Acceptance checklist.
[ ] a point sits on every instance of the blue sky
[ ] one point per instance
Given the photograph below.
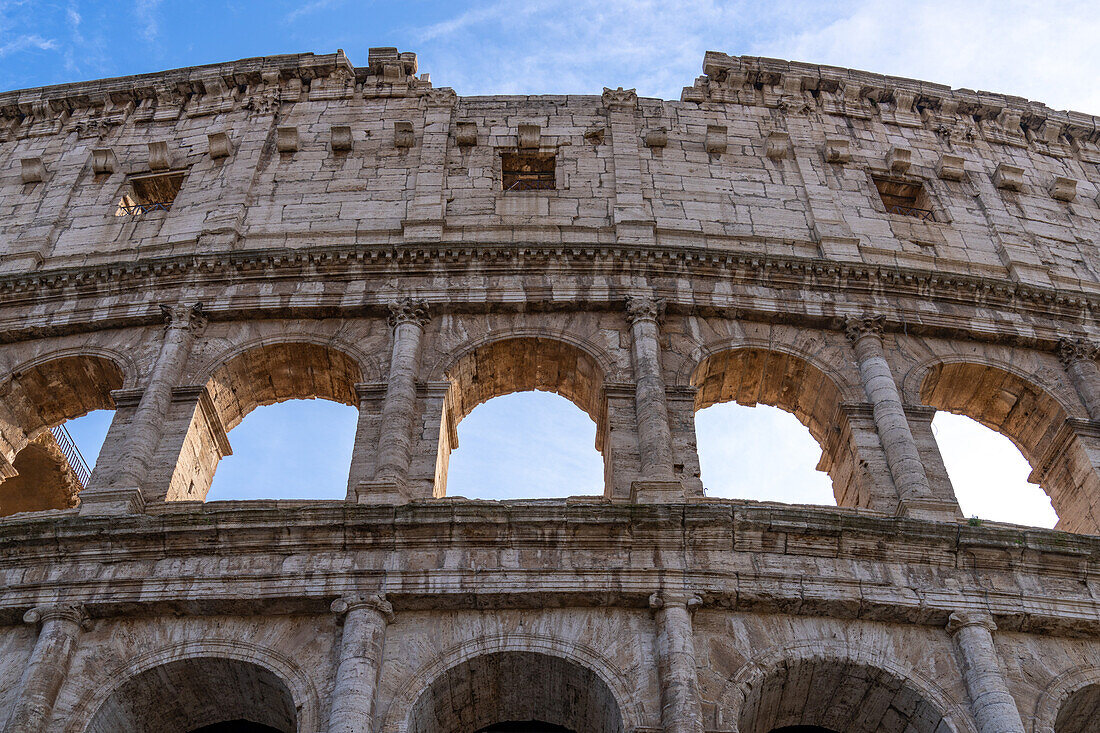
(1042, 51)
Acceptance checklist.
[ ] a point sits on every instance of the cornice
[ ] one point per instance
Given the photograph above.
(257, 535)
(1069, 312)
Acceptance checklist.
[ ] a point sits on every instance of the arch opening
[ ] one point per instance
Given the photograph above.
(525, 445)
(1080, 711)
(258, 377)
(1034, 421)
(989, 474)
(772, 454)
(536, 693)
(752, 376)
(525, 364)
(198, 694)
(41, 468)
(818, 694)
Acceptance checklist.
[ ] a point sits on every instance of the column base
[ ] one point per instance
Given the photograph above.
(932, 510)
(663, 491)
(379, 491)
(111, 502)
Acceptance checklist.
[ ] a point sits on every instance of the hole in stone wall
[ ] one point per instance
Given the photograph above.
(904, 198)
(761, 453)
(525, 445)
(989, 474)
(527, 171)
(296, 449)
(150, 192)
(1080, 712)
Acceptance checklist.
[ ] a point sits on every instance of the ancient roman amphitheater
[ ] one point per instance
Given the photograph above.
(858, 250)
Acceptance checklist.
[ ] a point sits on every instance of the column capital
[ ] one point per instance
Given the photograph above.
(643, 308)
(959, 620)
(620, 99)
(374, 602)
(72, 612)
(1072, 350)
(856, 327)
(408, 310)
(663, 599)
(184, 316)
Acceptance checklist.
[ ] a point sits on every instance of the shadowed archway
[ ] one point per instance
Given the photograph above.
(501, 689)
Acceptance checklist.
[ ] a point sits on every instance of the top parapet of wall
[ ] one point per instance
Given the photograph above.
(214, 87)
(755, 81)
(796, 86)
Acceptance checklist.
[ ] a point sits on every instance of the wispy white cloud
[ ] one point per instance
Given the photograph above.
(309, 8)
(1045, 52)
(26, 43)
(146, 13)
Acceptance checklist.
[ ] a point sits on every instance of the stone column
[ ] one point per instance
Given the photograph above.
(395, 444)
(902, 455)
(1079, 358)
(654, 435)
(365, 620)
(126, 492)
(992, 705)
(681, 710)
(49, 663)
(364, 459)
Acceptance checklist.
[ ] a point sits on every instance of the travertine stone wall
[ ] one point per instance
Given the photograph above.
(341, 233)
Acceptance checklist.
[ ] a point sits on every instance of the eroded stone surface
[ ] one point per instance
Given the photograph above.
(341, 232)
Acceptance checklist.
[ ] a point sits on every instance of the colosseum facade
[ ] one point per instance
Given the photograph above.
(859, 250)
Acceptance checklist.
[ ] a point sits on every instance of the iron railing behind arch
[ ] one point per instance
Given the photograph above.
(72, 454)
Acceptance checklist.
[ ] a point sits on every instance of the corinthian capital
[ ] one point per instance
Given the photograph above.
(409, 310)
(184, 316)
(1077, 349)
(620, 99)
(962, 619)
(643, 308)
(375, 602)
(74, 613)
(856, 327)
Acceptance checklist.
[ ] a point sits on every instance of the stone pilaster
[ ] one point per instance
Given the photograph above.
(59, 628)
(427, 209)
(126, 493)
(363, 454)
(631, 212)
(992, 705)
(650, 401)
(1079, 358)
(681, 709)
(365, 621)
(408, 317)
(902, 455)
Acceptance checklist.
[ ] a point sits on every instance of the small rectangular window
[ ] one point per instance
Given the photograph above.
(527, 171)
(150, 192)
(904, 199)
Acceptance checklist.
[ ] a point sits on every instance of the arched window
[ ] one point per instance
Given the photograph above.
(514, 365)
(525, 445)
(40, 466)
(752, 376)
(989, 474)
(295, 449)
(291, 377)
(761, 453)
(1034, 421)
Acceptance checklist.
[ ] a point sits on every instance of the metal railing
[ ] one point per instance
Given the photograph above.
(922, 214)
(72, 454)
(135, 208)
